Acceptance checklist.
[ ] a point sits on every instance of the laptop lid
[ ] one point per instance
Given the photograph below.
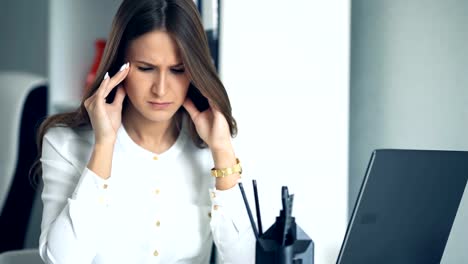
(406, 207)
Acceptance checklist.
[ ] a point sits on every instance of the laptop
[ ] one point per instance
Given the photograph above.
(405, 208)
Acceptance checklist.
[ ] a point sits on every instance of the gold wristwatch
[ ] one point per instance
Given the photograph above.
(227, 171)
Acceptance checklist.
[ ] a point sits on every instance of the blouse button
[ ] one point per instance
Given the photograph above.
(213, 195)
(155, 253)
(158, 223)
(157, 191)
(105, 186)
(215, 207)
(155, 158)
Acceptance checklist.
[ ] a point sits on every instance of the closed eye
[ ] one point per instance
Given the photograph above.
(178, 71)
(145, 69)
(175, 71)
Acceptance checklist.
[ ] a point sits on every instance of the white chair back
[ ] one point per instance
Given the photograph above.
(23, 256)
(14, 89)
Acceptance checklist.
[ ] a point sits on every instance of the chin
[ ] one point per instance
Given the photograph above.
(161, 116)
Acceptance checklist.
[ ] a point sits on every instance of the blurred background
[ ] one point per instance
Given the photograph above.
(315, 87)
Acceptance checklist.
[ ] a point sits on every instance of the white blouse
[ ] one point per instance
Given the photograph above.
(153, 209)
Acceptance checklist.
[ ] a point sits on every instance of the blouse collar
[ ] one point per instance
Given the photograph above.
(131, 146)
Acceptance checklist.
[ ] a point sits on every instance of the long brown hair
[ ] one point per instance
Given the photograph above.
(180, 18)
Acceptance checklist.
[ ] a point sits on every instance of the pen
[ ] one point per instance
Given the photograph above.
(252, 222)
(257, 207)
(284, 200)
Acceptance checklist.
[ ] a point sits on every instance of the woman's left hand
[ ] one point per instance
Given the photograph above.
(211, 125)
(213, 128)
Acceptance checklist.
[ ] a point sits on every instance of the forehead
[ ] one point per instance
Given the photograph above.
(157, 47)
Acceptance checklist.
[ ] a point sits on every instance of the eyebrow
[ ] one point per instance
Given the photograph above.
(147, 63)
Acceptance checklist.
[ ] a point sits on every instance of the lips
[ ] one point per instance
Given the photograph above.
(159, 105)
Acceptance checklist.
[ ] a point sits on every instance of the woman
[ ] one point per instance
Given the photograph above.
(127, 176)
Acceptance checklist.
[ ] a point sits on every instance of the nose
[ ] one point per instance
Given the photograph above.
(160, 84)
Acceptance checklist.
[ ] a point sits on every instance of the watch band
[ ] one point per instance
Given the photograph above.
(227, 171)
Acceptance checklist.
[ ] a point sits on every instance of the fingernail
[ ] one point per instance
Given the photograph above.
(123, 67)
(106, 76)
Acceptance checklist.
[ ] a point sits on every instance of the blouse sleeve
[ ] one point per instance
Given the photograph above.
(75, 202)
(231, 228)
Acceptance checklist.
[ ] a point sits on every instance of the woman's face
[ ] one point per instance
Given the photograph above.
(157, 83)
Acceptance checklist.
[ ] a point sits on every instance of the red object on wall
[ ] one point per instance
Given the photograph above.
(99, 46)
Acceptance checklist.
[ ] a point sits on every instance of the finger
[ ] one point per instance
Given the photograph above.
(190, 107)
(117, 78)
(102, 87)
(119, 96)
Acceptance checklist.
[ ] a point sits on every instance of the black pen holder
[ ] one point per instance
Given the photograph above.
(297, 249)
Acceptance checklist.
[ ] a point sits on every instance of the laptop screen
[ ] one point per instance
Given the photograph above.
(406, 207)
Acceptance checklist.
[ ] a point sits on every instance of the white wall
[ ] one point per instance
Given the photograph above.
(24, 36)
(285, 65)
(74, 26)
(409, 86)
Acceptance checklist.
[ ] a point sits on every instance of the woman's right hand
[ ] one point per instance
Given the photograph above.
(107, 118)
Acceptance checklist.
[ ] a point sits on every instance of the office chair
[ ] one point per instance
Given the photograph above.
(23, 105)
(24, 256)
